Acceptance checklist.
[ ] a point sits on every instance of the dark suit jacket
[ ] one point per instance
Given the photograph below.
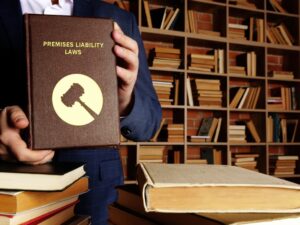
(103, 166)
(144, 118)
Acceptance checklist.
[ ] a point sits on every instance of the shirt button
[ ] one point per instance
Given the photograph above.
(125, 131)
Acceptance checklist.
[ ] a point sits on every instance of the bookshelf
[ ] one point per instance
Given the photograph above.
(234, 38)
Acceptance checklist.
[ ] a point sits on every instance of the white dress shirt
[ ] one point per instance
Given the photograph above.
(64, 7)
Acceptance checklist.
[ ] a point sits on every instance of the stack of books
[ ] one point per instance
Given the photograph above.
(246, 160)
(281, 74)
(166, 57)
(163, 86)
(43, 194)
(237, 31)
(207, 62)
(281, 165)
(237, 133)
(175, 132)
(151, 153)
(207, 92)
(237, 70)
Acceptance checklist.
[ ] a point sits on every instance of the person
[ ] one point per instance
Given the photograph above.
(138, 104)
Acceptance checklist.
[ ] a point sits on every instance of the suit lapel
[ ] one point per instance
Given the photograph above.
(12, 19)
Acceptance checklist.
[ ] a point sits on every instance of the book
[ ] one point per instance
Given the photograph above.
(29, 217)
(79, 98)
(17, 201)
(147, 13)
(120, 216)
(44, 177)
(158, 16)
(131, 201)
(209, 188)
(253, 131)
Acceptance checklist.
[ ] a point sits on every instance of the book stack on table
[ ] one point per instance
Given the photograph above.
(43, 194)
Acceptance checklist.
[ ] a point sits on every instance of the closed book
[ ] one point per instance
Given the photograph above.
(17, 201)
(131, 201)
(31, 217)
(72, 82)
(45, 177)
(210, 188)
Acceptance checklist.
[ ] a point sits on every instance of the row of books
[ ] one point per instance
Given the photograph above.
(244, 97)
(282, 98)
(193, 17)
(209, 130)
(281, 165)
(44, 194)
(281, 129)
(279, 34)
(161, 18)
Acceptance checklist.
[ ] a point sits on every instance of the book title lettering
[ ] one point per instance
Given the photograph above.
(70, 45)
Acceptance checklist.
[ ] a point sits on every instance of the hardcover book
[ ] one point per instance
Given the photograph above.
(72, 82)
(131, 201)
(45, 177)
(214, 188)
(12, 202)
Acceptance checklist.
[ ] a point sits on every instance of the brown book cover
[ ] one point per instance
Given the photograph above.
(72, 82)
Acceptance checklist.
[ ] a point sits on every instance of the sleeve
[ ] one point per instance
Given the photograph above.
(145, 116)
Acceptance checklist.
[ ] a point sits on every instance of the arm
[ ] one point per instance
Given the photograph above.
(142, 108)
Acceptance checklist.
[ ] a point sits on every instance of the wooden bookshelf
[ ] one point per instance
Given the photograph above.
(202, 28)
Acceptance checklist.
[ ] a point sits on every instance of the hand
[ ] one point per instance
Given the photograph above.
(127, 50)
(12, 147)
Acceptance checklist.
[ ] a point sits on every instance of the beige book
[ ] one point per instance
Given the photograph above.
(130, 200)
(214, 188)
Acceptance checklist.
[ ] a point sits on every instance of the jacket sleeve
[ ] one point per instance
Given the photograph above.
(144, 118)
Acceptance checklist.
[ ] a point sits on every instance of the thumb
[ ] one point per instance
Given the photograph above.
(16, 117)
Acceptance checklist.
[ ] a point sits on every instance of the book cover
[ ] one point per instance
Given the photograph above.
(72, 82)
(45, 177)
(214, 188)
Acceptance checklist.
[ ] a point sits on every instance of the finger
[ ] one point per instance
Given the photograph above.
(126, 77)
(17, 117)
(128, 56)
(125, 41)
(19, 149)
(46, 159)
(117, 28)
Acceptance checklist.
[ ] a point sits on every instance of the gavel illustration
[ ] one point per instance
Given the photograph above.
(73, 95)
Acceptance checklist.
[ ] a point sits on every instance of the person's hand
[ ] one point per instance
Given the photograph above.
(126, 49)
(12, 147)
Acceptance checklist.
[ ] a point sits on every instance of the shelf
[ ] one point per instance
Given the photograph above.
(243, 57)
